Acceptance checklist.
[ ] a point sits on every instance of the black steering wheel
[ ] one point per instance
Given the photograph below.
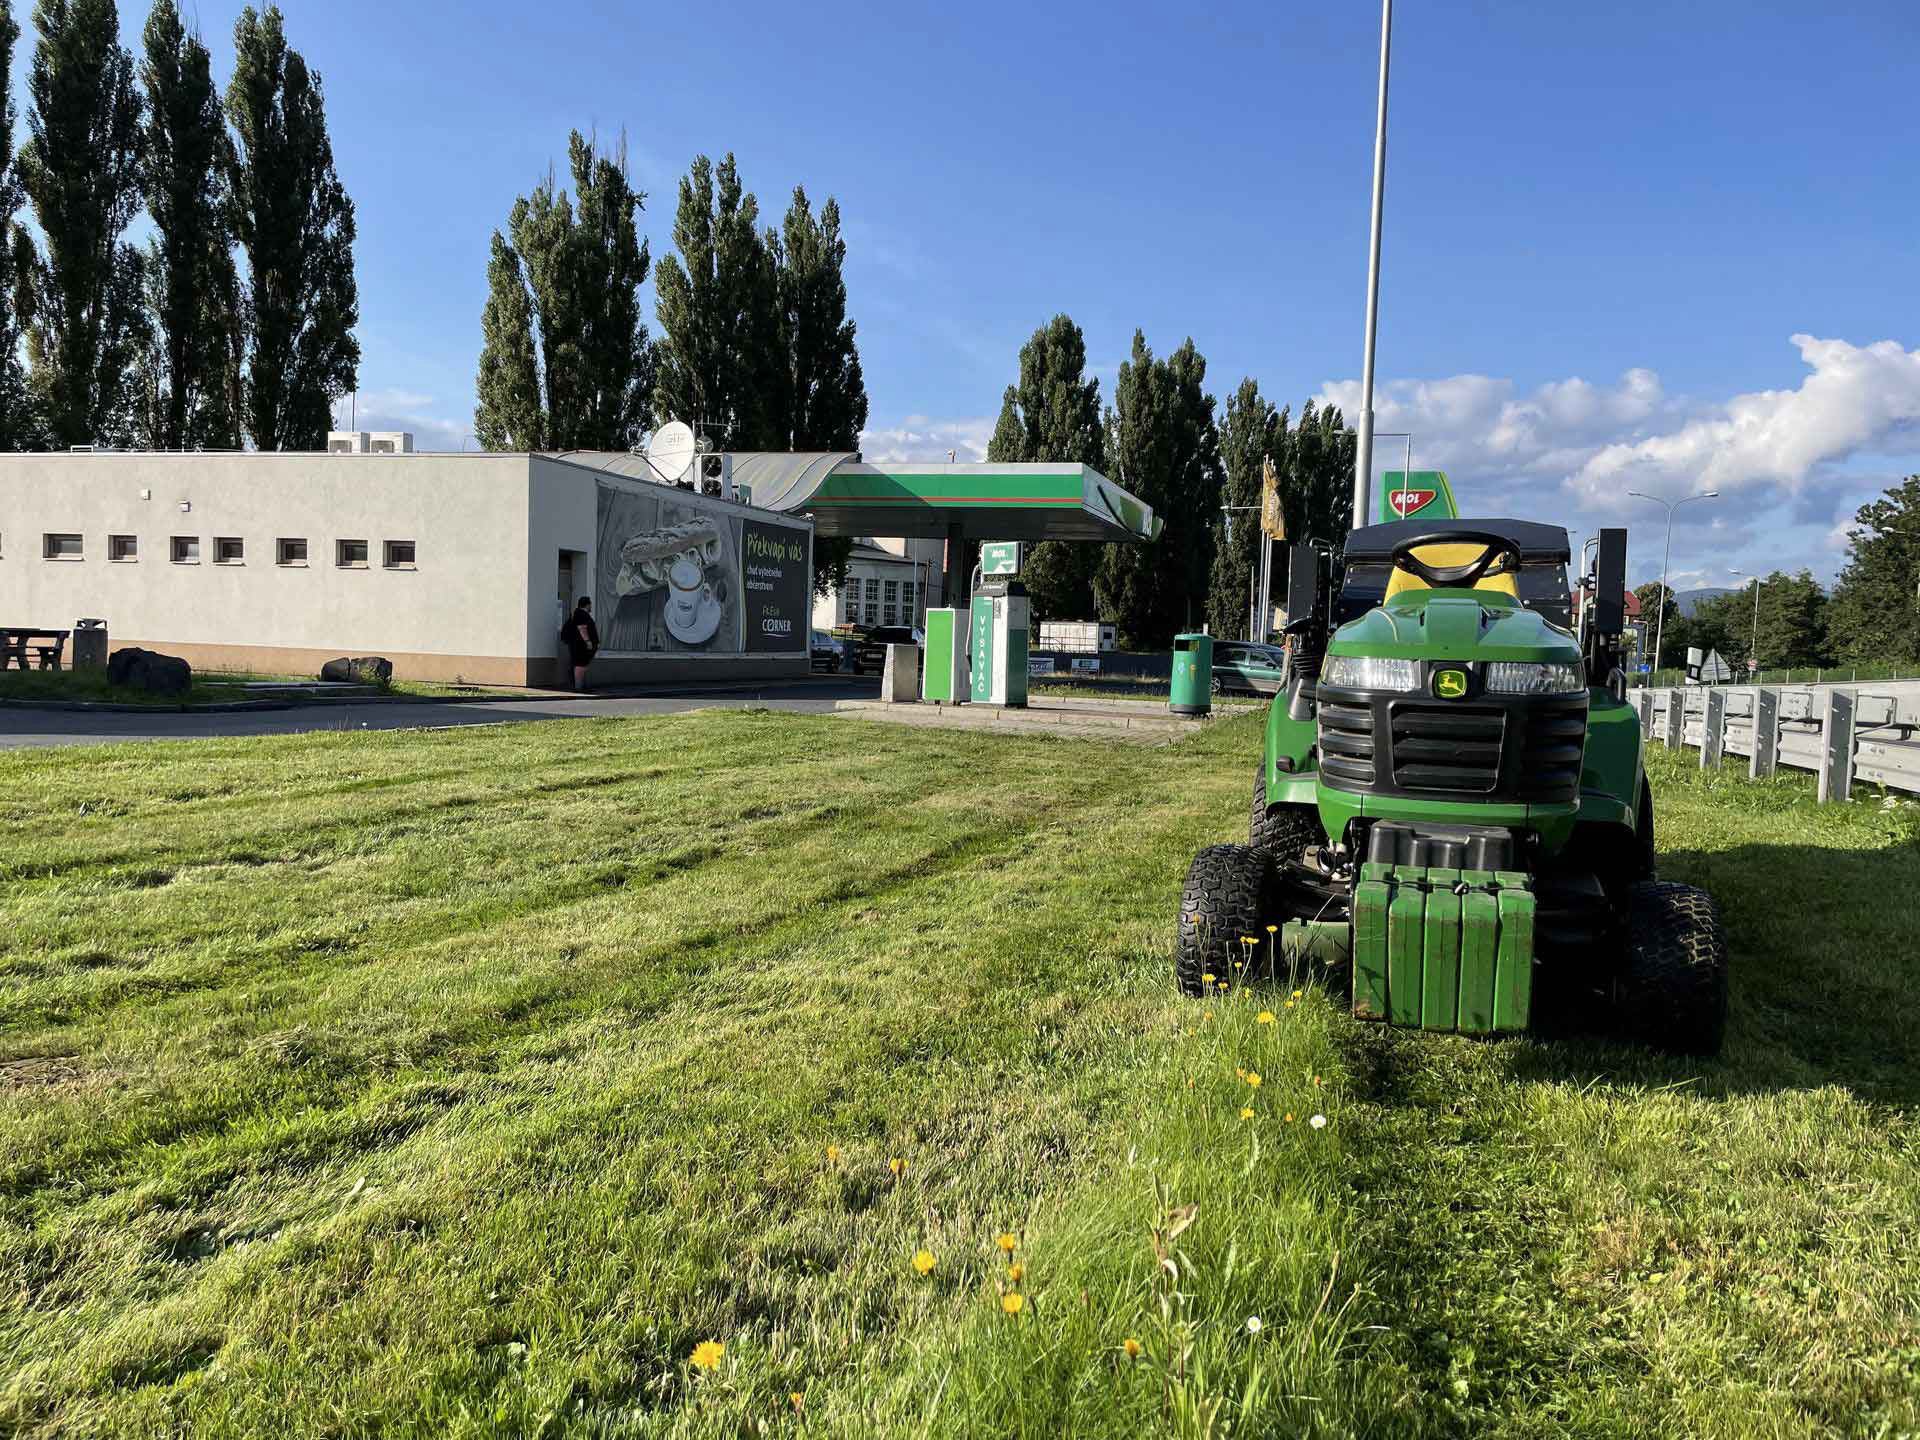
(1465, 576)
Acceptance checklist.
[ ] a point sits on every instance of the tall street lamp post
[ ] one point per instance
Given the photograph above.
(1363, 453)
(1660, 629)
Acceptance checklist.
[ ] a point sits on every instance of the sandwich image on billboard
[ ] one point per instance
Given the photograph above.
(670, 577)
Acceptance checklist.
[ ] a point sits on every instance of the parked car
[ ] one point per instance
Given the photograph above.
(826, 651)
(870, 645)
(1244, 669)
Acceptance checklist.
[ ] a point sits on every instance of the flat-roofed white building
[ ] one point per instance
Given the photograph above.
(455, 566)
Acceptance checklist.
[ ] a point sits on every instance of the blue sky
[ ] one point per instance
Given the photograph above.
(1605, 223)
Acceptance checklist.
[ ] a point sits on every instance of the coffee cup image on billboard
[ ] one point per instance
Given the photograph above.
(669, 574)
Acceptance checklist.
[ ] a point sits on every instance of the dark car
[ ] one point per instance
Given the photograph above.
(870, 646)
(1244, 669)
(825, 651)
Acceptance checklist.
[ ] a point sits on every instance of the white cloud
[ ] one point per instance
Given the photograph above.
(1570, 450)
(920, 437)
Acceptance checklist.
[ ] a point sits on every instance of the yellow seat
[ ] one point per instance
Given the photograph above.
(1401, 581)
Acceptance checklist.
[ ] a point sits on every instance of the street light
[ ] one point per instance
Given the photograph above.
(1660, 629)
(1363, 452)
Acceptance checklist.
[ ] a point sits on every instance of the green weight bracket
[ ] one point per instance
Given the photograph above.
(1443, 949)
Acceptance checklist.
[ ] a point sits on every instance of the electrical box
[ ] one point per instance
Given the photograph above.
(1001, 615)
(943, 673)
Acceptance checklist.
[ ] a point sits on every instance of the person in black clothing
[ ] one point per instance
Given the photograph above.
(582, 639)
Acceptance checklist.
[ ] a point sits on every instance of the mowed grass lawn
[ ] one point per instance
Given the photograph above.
(464, 1083)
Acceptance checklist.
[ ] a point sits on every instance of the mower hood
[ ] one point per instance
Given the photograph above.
(1454, 625)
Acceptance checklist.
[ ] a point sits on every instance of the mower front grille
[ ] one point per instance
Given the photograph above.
(1450, 748)
(1523, 749)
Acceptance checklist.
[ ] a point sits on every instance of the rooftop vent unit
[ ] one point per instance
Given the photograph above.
(369, 442)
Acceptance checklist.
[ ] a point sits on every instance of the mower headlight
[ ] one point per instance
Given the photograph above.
(1369, 672)
(1532, 677)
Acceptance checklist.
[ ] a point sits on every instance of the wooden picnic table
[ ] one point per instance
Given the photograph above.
(48, 646)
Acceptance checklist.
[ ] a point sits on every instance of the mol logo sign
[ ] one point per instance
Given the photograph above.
(1405, 502)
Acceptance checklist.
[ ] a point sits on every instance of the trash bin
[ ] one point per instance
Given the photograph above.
(89, 644)
(1192, 675)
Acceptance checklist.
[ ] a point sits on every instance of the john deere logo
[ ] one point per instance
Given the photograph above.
(1450, 684)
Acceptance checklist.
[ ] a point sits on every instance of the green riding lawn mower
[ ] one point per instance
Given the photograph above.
(1452, 808)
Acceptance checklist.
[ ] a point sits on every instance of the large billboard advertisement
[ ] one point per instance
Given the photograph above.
(670, 577)
(778, 585)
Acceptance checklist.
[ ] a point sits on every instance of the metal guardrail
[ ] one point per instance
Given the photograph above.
(1843, 733)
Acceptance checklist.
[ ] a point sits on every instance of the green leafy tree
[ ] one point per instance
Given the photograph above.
(1316, 483)
(1793, 621)
(1717, 624)
(81, 171)
(720, 353)
(1053, 415)
(825, 406)
(1653, 597)
(17, 429)
(565, 361)
(1252, 432)
(1874, 616)
(190, 374)
(1162, 440)
(295, 222)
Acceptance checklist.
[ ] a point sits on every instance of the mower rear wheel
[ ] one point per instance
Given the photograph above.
(1226, 897)
(1672, 995)
(1283, 831)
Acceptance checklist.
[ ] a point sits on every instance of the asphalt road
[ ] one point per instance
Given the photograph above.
(21, 728)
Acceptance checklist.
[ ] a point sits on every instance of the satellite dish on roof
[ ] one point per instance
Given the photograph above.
(670, 451)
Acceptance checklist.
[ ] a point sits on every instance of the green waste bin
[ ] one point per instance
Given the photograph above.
(1192, 675)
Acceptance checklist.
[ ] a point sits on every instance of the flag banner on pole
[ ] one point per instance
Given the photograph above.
(1271, 519)
(1424, 494)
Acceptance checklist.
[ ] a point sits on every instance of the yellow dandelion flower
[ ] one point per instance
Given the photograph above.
(1206, 1014)
(1253, 1078)
(1289, 1004)
(1265, 1017)
(897, 1166)
(833, 1154)
(1008, 1243)
(1298, 993)
(1289, 1119)
(1316, 1079)
(1238, 1071)
(923, 1261)
(1016, 1273)
(1221, 983)
(1249, 939)
(799, 1400)
(1246, 1112)
(707, 1354)
(1012, 1301)
(1273, 929)
(1207, 979)
(1132, 1347)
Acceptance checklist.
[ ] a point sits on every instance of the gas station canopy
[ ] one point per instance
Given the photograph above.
(847, 497)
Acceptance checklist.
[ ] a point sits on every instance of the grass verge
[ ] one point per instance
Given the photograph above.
(465, 1082)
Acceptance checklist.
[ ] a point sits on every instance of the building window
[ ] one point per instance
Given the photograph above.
(906, 596)
(123, 547)
(892, 613)
(229, 550)
(851, 605)
(350, 553)
(186, 549)
(893, 592)
(60, 547)
(292, 552)
(873, 592)
(399, 555)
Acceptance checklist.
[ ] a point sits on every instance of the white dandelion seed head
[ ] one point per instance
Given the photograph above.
(1318, 1122)
(1253, 1325)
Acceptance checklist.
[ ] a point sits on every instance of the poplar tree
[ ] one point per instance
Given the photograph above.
(825, 403)
(565, 361)
(16, 260)
(80, 169)
(295, 222)
(720, 359)
(1252, 433)
(1874, 615)
(1053, 415)
(1162, 441)
(190, 376)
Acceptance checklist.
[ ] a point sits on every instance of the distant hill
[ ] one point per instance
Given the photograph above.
(1691, 600)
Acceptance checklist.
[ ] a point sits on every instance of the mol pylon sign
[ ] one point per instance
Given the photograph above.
(1421, 495)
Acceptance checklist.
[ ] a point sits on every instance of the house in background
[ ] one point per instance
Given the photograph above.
(888, 583)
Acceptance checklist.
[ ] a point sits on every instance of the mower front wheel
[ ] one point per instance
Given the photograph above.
(1672, 995)
(1227, 896)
